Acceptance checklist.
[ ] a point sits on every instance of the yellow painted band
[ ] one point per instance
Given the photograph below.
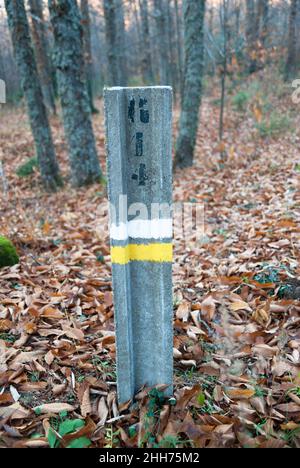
(142, 253)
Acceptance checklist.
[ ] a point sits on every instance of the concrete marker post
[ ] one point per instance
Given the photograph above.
(139, 153)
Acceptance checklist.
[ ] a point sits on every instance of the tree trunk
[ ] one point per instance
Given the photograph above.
(20, 34)
(97, 48)
(111, 43)
(87, 49)
(137, 27)
(67, 30)
(115, 37)
(162, 38)
(237, 16)
(251, 35)
(41, 48)
(179, 48)
(147, 66)
(121, 45)
(172, 68)
(225, 28)
(265, 21)
(194, 12)
(291, 63)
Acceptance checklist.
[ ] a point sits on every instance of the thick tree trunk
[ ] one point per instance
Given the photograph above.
(194, 12)
(291, 63)
(87, 49)
(20, 34)
(41, 48)
(67, 30)
(147, 66)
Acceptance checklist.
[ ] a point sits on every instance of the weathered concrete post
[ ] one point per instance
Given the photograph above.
(138, 126)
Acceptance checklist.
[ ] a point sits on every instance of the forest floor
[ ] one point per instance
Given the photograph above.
(236, 348)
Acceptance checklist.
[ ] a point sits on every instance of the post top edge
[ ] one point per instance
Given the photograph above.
(120, 88)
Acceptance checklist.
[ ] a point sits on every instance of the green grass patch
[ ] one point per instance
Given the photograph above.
(8, 337)
(28, 168)
(275, 124)
(240, 101)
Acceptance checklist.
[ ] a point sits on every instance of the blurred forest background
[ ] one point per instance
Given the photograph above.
(190, 47)
(234, 69)
(146, 39)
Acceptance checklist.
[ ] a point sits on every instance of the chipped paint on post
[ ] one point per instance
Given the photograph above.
(138, 125)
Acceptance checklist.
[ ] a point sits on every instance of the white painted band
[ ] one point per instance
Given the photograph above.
(142, 229)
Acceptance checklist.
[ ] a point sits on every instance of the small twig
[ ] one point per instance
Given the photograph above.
(117, 418)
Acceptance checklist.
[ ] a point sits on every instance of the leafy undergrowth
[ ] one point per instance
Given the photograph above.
(236, 323)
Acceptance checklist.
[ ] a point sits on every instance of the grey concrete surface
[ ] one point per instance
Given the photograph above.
(139, 158)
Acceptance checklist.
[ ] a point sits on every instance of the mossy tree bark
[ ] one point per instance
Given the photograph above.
(69, 60)
(87, 48)
(194, 12)
(20, 34)
(41, 48)
(291, 66)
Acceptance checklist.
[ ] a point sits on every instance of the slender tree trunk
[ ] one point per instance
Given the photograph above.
(41, 48)
(147, 66)
(121, 43)
(265, 21)
(67, 30)
(87, 49)
(224, 26)
(172, 70)
(194, 12)
(96, 27)
(237, 15)
(115, 37)
(111, 43)
(291, 66)
(20, 34)
(162, 38)
(251, 35)
(138, 39)
(179, 47)
(211, 19)
(2, 68)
